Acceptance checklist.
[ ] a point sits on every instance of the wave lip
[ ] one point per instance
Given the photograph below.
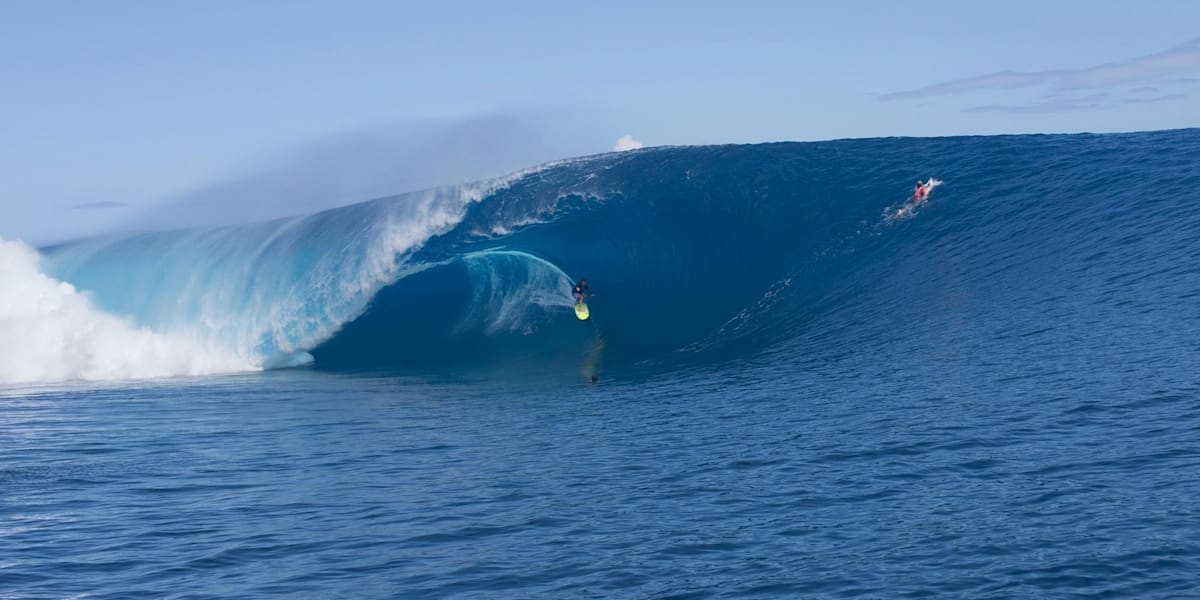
(268, 291)
(479, 309)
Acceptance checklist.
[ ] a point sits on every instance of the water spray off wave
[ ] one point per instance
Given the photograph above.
(696, 254)
(258, 295)
(49, 331)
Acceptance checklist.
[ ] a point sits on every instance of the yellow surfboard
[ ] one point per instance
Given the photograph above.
(581, 311)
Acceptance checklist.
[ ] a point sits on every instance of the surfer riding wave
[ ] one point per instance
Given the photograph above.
(920, 194)
(922, 190)
(581, 292)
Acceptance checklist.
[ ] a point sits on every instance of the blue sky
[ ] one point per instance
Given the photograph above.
(110, 108)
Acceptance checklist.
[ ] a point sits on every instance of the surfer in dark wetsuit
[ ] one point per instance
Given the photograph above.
(581, 292)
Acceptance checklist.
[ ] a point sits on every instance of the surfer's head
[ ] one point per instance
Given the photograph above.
(595, 378)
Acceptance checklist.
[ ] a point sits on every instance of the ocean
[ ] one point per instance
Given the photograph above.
(799, 394)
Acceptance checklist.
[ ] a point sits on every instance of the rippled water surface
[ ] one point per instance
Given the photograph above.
(740, 482)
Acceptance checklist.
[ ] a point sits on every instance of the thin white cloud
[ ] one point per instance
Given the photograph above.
(1072, 102)
(1154, 99)
(626, 142)
(101, 205)
(1049, 106)
(1051, 103)
(1178, 62)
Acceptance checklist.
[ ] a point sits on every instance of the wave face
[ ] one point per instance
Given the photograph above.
(695, 254)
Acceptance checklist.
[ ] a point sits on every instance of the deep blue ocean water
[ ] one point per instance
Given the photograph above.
(799, 395)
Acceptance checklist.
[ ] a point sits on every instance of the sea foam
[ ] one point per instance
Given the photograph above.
(49, 331)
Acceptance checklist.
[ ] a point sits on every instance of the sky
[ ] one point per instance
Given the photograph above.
(120, 112)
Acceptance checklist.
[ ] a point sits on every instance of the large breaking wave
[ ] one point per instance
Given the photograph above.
(696, 254)
(49, 331)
